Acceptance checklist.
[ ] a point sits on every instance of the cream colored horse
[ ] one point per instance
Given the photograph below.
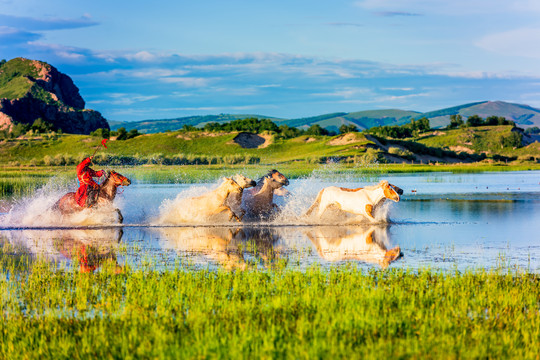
(365, 243)
(203, 207)
(361, 201)
(234, 201)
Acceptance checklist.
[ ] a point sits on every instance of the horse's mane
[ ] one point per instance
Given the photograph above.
(269, 174)
(372, 187)
(108, 174)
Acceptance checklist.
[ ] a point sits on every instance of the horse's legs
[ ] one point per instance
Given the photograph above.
(369, 211)
(228, 210)
(120, 217)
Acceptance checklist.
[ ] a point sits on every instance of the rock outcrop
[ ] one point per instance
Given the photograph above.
(31, 89)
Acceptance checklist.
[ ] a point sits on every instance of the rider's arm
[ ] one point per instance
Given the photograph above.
(94, 173)
(82, 165)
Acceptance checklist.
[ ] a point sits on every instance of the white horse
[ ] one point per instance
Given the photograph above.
(361, 201)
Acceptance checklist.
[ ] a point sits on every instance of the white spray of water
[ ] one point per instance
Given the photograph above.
(293, 206)
(179, 211)
(36, 210)
(303, 193)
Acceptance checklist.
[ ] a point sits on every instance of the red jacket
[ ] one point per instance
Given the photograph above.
(85, 175)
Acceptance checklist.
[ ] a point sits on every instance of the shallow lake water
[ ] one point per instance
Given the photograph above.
(444, 221)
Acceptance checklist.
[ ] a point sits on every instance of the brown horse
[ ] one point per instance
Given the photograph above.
(107, 192)
(259, 201)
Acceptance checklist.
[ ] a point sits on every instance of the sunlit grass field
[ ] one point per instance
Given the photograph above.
(342, 312)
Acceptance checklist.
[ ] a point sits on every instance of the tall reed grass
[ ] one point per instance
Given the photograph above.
(50, 312)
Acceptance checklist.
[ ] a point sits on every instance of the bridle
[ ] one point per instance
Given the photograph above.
(118, 179)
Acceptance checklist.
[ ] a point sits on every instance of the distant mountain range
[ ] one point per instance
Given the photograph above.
(524, 116)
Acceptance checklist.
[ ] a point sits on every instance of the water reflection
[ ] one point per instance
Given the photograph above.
(230, 247)
(88, 248)
(370, 244)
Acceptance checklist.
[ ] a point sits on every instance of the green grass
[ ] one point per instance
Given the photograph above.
(480, 139)
(13, 81)
(342, 312)
(34, 150)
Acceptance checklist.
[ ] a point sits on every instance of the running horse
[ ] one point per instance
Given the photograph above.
(361, 201)
(259, 201)
(217, 202)
(107, 192)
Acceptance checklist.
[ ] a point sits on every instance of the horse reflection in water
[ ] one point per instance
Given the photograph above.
(230, 247)
(364, 243)
(89, 248)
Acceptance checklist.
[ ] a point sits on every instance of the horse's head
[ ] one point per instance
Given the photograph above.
(118, 179)
(391, 192)
(244, 182)
(278, 177)
(231, 185)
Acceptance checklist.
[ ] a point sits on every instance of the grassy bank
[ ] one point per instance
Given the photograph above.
(25, 180)
(343, 313)
(215, 148)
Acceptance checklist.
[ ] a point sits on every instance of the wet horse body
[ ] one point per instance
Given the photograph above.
(234, 200)
(106, 195)
(259, 201)
(361, 201)
(222, 200)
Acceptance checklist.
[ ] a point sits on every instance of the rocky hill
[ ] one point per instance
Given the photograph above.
(31, 90)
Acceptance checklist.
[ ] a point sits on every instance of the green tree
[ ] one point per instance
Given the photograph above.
(41, 126)
(474, 120)
(316, 129)
(512, 140)
(455, 121)
(287, 132)
(422, 125)
(347, 128)
(532, 130)
(187, 128)
(101, 132)
(121, 134)
(133, 133)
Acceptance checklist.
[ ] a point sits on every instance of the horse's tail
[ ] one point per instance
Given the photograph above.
(315, 203)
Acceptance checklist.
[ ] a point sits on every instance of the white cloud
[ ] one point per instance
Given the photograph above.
(143, 56)
(521, 42)
(124, 99)
(452, 8)
(345, 93)
(186, 81)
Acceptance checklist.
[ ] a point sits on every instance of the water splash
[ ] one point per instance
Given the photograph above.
(179, 210)
(36, 210)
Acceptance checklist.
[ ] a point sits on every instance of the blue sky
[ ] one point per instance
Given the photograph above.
(135, 60)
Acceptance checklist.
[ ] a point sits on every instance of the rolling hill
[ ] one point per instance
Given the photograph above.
(523, 115)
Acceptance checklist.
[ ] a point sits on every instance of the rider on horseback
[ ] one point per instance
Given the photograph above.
(86, 195)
